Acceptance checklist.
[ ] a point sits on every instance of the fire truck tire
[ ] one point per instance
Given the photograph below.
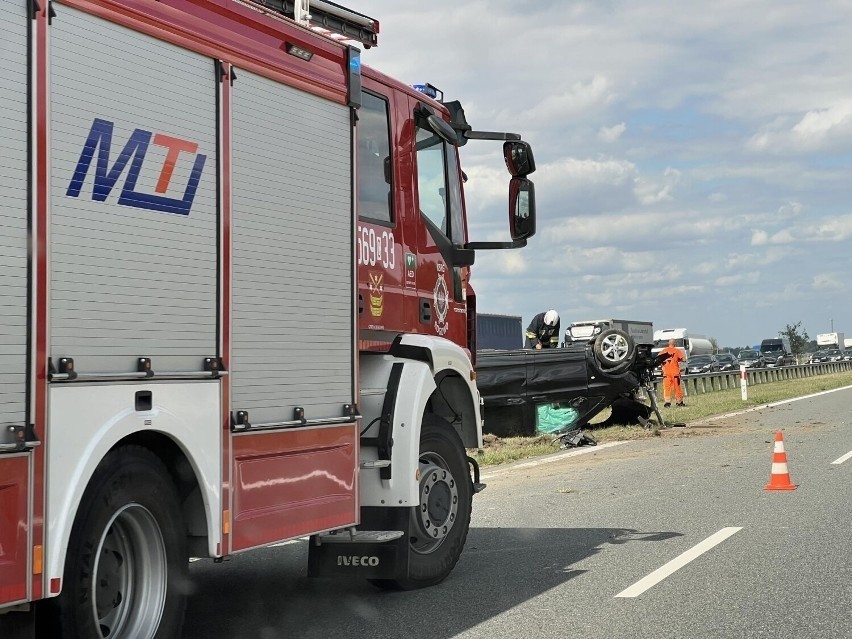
(614, 350)
(126, 566)
(440, 523)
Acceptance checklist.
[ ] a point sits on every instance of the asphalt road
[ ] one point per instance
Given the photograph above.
(555, 547)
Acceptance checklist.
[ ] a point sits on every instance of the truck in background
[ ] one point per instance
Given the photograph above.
(235, 306)
(847, 343)
(689, 344)
(776, 352)
(499, 332)
(831, 340)
(585, 330)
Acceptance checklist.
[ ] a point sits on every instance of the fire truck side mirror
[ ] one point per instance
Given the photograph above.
(519, 158)
(442, 129)
(521, 208)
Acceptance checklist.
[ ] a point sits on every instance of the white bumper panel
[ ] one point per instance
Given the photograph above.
(85, 422)
(416, 385)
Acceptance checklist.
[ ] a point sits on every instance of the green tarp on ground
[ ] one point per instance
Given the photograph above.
(550, 418)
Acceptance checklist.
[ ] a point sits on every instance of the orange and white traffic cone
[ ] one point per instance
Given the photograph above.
(779, 479)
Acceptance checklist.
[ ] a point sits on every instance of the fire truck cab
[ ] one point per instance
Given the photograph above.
(235, 306)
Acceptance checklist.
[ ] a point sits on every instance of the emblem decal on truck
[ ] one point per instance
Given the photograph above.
(441, 300)
(133, 153)
(377, 294)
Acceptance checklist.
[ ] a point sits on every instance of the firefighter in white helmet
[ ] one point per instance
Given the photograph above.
(543, 331)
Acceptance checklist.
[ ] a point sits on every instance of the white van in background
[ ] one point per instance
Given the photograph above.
(688, 343)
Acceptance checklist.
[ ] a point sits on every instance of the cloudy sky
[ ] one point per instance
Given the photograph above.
(694, 159)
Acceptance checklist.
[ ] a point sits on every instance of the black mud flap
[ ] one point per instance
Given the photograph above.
(387, 560)
(17, 625)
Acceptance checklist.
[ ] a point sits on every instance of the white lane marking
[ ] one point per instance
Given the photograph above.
(677, 563)
(553, 458)
(762, 406)
(840, 460)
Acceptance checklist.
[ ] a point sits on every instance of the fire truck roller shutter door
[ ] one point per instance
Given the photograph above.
(13, 211)
(293, 341)
(133, 199)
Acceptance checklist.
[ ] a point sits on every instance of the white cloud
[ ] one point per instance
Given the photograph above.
(771, 255)
(818, 129)
(706, 268)
(571, 186)
(581, 97)
(738, 279)
(649, 193)
(829, 229)
(603, 260)
(790, 209)
(612, 133)
(574, 173)
(828, 281)
(759, 238)
(513, 262)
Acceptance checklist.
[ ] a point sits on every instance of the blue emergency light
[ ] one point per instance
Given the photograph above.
(427, 89)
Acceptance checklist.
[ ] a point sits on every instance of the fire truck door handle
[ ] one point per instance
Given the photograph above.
(144, 400)
(425, 311)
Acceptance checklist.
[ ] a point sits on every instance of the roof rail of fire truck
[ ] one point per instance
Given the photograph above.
(327, 18)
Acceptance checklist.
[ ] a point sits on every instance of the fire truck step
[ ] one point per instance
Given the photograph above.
(351, 536)
(378, 463)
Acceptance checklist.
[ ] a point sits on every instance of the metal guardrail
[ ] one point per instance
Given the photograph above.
(729, 380)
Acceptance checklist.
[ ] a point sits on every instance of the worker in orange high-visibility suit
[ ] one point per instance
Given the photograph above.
(671, 357)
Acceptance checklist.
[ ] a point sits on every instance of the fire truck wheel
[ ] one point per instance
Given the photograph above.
(126, 567)
(440, 523)
(614, 350)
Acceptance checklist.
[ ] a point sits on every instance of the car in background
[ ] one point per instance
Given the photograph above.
(727, 362)
(699, 364)
(751, 359)
(827, 355)
(847, 355)
(778, 359)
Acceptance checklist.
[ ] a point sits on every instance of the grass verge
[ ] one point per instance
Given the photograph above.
(501, 450)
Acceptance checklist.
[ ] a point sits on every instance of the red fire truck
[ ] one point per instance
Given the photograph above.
(235, 306)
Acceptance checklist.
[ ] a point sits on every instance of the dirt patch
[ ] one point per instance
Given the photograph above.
(495, 442)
